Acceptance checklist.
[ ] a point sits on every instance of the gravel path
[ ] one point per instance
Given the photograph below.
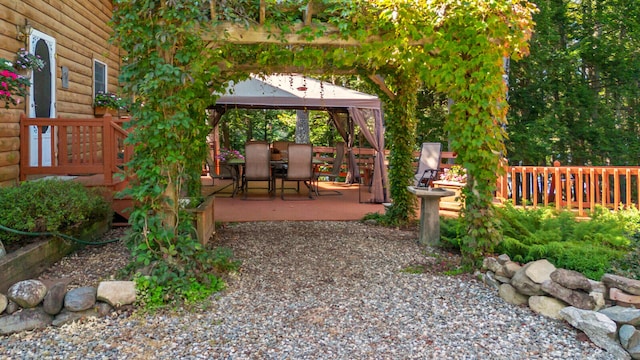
(316, 290)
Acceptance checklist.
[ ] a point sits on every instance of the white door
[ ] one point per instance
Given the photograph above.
(42, 95)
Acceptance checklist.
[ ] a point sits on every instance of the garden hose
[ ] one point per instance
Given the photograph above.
(64, 236)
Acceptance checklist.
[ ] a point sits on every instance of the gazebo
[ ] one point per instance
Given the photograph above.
(346, 108)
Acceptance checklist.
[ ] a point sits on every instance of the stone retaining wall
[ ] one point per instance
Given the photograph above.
(30, 304)
(606, 310)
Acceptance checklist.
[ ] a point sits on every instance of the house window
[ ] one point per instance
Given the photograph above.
(99, 76)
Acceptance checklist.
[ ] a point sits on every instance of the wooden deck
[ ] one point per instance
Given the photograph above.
(259, 207)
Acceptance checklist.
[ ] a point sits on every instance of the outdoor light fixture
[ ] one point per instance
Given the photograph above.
(23, 31)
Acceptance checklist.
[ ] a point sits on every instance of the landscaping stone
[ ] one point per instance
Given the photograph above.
(575, 298)
(117, 293)
(3, 302)
(489, 279)
(67, 317)
(491, 264)
(510, 268)
(623, 315)
(80, 299)
(599, 300)
(11, 307)
(28, 293)
(524, 284)
(27, 319)
(619, 295)
(503, 259)
(103, 309)
(547, 306)
(598, 327)
(629, 336)
(571, 279)
(503, 279)
(598, 286)
(511, 295)
(630, 286)
(539, 271)
(54, 300)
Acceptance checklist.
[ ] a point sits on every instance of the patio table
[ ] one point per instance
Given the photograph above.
(239, 163)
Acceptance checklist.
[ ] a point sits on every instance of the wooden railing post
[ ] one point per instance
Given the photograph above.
(108, 149)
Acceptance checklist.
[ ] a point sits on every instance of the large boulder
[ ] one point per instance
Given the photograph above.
(575, 298)
(524, 284)
(539, 271)
(80, 299)
(27, 319)
(511, 295)
(598, 327)
(571, 279)
(630, 286)
(117, 293)
(547, 306)
(623, 315)
(28, 293)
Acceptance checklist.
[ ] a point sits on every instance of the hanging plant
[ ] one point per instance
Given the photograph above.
(27, 61)
(13, 86)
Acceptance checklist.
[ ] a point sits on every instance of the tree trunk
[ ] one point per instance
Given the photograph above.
(302, 127)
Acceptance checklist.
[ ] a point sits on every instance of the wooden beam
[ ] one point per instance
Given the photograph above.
(240, 34)
(212, 4)
(379, 80)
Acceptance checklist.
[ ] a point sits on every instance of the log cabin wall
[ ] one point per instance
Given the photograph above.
(81, 33)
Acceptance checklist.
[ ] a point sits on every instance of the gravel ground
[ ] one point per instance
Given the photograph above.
(312, 290)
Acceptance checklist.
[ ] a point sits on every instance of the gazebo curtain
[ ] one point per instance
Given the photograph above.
(376, 140)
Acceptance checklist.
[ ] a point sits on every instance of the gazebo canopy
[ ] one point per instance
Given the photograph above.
(285, 91)
(293, 91)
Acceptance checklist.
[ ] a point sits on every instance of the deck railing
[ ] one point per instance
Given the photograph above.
(578, 188)
(74, 147)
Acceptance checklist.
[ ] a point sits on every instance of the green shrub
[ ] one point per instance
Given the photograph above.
(50, 206)
(606, 243)
(185, 272)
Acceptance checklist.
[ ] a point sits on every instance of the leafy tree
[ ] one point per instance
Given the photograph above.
(575, 98)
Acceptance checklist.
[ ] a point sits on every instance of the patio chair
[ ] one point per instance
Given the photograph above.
(257, 166)
(335, 171)
(299, 167)
(225, 172)
(428, 165)
(282, 147)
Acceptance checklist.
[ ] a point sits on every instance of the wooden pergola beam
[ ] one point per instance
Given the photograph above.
(242, 35)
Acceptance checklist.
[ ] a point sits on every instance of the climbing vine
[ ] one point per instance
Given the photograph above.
(454, 47)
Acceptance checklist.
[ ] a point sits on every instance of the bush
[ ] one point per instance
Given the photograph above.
(50, 206)
(606, 243)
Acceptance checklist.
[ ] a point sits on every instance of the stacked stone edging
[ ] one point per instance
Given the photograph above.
(607, 311)
(30, 304)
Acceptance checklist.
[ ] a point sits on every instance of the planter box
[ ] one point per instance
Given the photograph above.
(204, 220)
(100, 111)
(451, 203)
(30, 261)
